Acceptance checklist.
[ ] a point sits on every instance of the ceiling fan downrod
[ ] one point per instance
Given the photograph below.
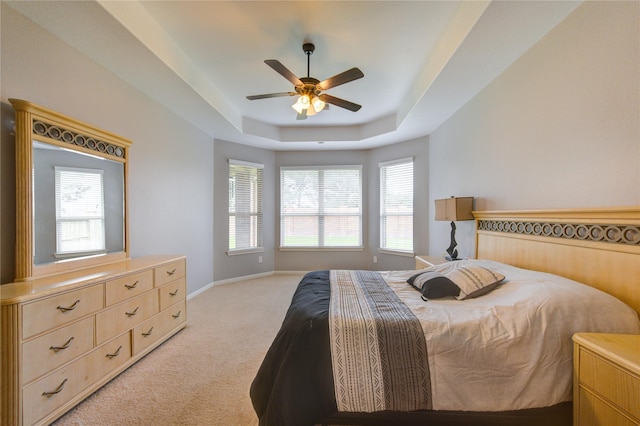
(308, 49)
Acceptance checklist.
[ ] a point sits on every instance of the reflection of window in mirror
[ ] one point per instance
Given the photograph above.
(80, 219)
(48, 247)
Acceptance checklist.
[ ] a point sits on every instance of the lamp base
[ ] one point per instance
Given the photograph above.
(453, 253)
(452, 259)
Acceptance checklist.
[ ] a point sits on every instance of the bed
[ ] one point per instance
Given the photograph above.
(351, 349)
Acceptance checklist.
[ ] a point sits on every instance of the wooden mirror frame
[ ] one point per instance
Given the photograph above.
(34, 122)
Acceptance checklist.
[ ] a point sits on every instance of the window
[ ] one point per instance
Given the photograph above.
(245, 206)
(396, 205)
(321, 207)
(79, 211)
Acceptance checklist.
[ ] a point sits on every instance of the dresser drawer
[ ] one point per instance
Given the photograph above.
(169, 272)
(112, 354)
(150, 331)
(126, 315)
(595, 412)
(610, 381)
(127, 287)
(51, 392)
(48, 352)
(55, 311)
(172, 293)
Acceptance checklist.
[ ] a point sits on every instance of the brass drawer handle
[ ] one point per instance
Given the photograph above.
(59, 348)
(130, 314)
(174, 293)
(148, 333)
(58, 390)
(131, 286)
(171, 272)
(177, 315)
(70, 308)
(115, 354)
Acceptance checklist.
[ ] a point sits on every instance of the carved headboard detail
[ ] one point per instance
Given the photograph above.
(598, 247)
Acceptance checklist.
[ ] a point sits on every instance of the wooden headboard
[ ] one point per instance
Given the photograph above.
(597, 247)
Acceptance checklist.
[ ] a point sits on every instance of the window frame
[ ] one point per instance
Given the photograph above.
(100, 218)
(258, 213)
(383, 244)
(321, 213)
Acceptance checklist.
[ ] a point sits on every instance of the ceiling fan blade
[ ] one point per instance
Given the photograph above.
(340, 102)
(342, 78)
(283, 71)
(302, 116)
(270, 95)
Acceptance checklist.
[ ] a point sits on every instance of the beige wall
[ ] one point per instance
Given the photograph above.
(239, 265)
(171, 173)
(560, 128)
(228, 267)
(419, 150)
(369, 159)
(178, 181)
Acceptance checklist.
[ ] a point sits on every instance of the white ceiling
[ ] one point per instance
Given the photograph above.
(422, 60)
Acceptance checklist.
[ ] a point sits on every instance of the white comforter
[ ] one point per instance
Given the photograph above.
(511, 348)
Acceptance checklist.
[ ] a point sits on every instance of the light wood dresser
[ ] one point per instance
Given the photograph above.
(66, 335)
(606, 384)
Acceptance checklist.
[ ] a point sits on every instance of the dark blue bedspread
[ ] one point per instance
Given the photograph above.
(294, 385)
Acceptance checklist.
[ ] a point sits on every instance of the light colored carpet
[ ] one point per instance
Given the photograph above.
(201, 376)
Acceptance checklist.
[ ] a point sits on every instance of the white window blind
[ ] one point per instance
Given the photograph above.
(245, 205)
(321, 207)
(396, 205)
(79, 210)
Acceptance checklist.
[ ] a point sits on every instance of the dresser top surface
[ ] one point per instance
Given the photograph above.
(24, 291)
(621, 348)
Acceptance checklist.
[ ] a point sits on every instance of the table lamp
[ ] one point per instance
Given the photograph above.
(453, 209)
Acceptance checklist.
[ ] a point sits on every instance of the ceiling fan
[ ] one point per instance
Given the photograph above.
(311, 100)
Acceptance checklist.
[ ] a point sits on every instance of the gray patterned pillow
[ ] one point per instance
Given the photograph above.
(474, 281)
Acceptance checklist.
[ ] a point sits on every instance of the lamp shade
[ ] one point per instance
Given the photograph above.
(454, 208)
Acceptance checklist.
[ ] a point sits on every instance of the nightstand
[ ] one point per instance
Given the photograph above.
(423, 261)
(606, 379)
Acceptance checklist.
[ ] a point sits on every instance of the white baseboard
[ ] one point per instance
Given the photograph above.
(242, 278)
(200, 290)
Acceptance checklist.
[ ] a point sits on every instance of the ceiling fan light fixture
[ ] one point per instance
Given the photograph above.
(309, 103)
(304, 103)
(297, 107)
(318, 104)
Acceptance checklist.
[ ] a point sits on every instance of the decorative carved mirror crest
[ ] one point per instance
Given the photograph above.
(71, 193)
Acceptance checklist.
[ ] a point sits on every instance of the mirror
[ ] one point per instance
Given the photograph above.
(78, 204)
(70, 193)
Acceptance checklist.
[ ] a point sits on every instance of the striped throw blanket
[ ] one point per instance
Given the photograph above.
(378, 348)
